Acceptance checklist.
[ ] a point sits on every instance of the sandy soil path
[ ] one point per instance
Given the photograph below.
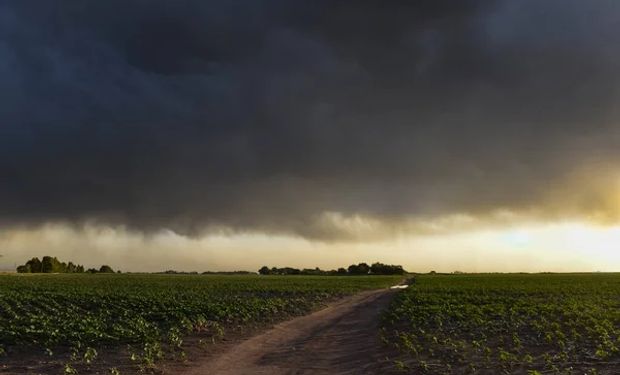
(340, 339)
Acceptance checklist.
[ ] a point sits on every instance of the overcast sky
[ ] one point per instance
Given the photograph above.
(321, 124)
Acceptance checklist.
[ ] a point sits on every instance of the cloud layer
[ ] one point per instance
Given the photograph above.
(280, 116)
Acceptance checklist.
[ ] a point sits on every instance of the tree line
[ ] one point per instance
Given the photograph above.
(354, 269)
(50, 264)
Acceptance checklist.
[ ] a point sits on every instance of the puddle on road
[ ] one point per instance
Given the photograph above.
(399, 287)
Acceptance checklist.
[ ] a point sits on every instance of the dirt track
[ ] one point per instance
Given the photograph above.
(340, 339)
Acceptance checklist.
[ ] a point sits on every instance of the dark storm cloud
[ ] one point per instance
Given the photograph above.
(266, 114)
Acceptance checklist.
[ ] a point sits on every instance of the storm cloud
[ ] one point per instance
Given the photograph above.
(299, 117)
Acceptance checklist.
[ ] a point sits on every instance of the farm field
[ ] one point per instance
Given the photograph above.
(511, 324)
(70, 321)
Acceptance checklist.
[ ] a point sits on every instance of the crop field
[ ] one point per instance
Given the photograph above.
(69, 318)
(493, 324)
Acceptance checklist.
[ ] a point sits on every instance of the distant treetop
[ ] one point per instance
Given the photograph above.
(52, 265)
(354, 269)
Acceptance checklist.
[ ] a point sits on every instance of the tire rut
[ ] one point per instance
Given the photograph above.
(340, 339)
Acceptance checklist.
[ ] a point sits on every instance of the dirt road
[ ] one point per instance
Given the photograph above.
(340, 339)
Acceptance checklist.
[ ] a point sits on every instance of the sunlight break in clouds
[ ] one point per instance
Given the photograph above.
(470, 134)
(562, 247)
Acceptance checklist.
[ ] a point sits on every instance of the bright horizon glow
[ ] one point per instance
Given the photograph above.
(535, 247)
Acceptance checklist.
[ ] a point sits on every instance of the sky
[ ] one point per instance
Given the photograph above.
(478, 135)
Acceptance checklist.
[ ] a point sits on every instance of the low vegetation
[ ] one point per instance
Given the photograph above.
(493, 324)
(70, 317)
(173, 272)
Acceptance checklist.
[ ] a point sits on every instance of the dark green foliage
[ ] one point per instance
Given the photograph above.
(106, 269)
(386, 269)
(507, 324)
(285, 271)
(24, 269)
(35, 265)
(31, 266)
(354, 269)
(71, 268)
(295, 271)
(359, 269)
(314, 271)
(147, 311)
(49, 265)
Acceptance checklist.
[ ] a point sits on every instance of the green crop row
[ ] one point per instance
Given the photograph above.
(151, 312)
(531, 324)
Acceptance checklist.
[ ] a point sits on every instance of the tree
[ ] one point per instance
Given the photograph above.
(290, 271)
(364, 268)
(310, 271)
(386, 269)
(106, 269)
(52, 265)
(24, 269)
(47, 264)
(354, 269)
(34, 264)
(360, 269)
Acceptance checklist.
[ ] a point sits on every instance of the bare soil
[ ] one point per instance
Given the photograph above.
(340, 339)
